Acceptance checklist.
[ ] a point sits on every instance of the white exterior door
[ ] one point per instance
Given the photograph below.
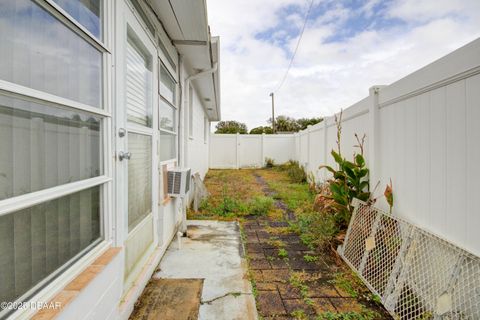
(136, 141)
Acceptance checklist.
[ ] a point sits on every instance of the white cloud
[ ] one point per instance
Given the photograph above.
(327, 76)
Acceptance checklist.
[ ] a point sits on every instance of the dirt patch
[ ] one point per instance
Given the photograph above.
(169, 299)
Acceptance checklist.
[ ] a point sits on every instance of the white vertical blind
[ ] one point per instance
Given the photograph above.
(36, 241)
(43, 147)
(139, 86)
(139, 178)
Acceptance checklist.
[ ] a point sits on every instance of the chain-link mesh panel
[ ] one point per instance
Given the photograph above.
(416, 274)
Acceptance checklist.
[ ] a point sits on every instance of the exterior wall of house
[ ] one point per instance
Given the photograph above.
(197, 141)
(68, 135)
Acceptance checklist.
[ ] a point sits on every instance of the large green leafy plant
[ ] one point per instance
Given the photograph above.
(350, 180)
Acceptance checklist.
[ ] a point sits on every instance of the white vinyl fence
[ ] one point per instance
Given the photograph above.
(234, 151)
(423, 132)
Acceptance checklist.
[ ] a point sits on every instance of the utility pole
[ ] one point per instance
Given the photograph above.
(273, 112)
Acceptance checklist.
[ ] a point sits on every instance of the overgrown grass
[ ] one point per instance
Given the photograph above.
(364, 314)
(295, 171)
(233, 195)
(314, 228)
(260, 206)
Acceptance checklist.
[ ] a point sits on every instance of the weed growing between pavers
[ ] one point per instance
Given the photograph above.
(310, 258)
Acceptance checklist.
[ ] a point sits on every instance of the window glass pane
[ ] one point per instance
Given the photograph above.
(139, 178)
(144, 17)
(167, 116)
(168, 146)
(139, 86)
(40, 52)
(87, 12)
(43, 146)
(37, 241)
(167, 86)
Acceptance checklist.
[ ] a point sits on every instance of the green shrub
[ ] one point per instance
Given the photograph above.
(260, 206)
(349, 181)
(295, 172)
(269, 163)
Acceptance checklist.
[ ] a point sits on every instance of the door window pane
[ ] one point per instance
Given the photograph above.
(37, 241)
(40, 52)
(139, 178)
(87, 12)
(139, 86)
(43, 146)
(167, 116)
(168, 146)
(167, 85)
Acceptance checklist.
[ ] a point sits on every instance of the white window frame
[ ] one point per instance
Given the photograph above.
(45, 290)
(174, 106)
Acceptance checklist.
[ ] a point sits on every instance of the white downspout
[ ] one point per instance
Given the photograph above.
(186, 90)
(184, 153)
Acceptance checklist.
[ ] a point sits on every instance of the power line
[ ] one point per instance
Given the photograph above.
(296, 48)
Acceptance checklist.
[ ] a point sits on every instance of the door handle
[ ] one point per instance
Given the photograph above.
(124, 155)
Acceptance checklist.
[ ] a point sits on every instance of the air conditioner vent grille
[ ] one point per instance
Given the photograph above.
(178, 182)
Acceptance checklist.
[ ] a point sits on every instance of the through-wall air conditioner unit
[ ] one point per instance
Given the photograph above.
(178, 182)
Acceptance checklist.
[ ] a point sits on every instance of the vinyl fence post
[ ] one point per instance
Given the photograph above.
(373, 154)
(307, 165)
(325, 151)
(262, 160)
(237, 150)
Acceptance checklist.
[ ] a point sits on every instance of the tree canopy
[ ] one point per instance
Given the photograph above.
(231, 127)
(288, 124)
(262, 129)
(305, 122)
(282, 124)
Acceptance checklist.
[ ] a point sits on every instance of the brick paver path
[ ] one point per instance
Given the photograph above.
(278, 296)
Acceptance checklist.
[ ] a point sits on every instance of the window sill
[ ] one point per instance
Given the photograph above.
(74, 287)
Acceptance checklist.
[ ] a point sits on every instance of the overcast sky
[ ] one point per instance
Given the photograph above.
(347, 47)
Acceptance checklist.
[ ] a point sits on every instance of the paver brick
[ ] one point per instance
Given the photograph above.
(270, 303)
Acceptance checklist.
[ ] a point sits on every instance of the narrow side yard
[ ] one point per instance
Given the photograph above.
(293, 268)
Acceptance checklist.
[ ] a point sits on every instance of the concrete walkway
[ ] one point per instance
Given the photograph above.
(213, 252)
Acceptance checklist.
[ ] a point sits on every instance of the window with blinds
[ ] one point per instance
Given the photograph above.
(168, 116)
(139, 86)
(36, 242)
(44, 145)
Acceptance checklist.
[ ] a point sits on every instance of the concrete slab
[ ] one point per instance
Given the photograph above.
(213, 251)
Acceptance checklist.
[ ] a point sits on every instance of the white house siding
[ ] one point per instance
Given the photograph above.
(197, 148)
(107, 296)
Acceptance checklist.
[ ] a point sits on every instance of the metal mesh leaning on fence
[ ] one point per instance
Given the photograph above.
(416, 274)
